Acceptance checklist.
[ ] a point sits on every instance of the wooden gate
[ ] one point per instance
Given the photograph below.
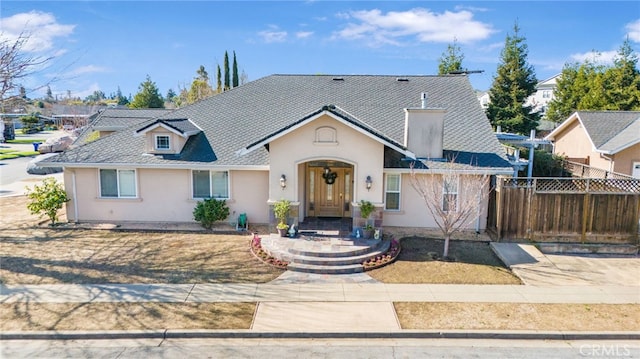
(587, 210)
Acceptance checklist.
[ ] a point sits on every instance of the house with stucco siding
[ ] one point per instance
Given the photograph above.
(607, 140)
(324, 142)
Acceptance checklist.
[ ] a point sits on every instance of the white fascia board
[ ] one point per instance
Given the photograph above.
(245, 150)
(154, 126)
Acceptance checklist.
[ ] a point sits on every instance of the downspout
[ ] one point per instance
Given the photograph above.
(75, 197)
(610, 159)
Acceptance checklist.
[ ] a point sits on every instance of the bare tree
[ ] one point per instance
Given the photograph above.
(453, 200)
(16, 64)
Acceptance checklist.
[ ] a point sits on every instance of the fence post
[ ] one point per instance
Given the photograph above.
(499, 186)
(585, 211)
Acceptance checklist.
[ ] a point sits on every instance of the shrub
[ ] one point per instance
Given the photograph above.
(281, 212)
(47, 199)
(209, 211)
(366, 208)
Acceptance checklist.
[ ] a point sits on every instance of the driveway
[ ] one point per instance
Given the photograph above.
(13, 172)
(539, 269)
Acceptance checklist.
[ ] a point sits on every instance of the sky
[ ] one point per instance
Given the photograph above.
(106, 45)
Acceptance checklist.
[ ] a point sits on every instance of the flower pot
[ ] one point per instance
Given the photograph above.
(368, 233)
(282, 232)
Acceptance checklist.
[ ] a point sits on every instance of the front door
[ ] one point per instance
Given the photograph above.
(329, 195)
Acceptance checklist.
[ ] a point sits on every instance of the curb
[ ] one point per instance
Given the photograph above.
(249, 334)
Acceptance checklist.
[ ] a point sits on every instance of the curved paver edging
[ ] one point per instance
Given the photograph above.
(250, 334)
(385, 258)
(264, 256)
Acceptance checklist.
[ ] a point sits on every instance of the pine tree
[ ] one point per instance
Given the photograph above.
(218, 80)
(451, 59)
(148, 96)
(514, 82)
(227, 79)
(592, 86)
(623, 80)
(234, 79)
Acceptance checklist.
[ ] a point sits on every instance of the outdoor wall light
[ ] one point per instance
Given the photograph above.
(283, 181)
(368, 182)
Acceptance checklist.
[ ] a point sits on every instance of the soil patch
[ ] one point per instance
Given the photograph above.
(34, 254)
(519, 316)
(125, 316)
(475, 263)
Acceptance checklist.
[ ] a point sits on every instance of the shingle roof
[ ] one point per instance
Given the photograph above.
(181, 125)
(113, 119)
(602, 126)
(246, 114)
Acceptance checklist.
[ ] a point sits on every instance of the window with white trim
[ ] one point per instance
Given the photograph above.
(450, 193)
(392, 192)
(210, 184)
(162, 142)
(115, 183)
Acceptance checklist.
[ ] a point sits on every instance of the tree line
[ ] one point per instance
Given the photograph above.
(581, 85)
(149, 96)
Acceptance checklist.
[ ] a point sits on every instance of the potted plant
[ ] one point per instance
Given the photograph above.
(281, 212)
(366, 208)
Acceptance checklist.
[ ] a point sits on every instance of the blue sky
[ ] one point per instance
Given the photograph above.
(100, 45)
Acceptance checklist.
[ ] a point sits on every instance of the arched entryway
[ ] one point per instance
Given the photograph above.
(329, 188)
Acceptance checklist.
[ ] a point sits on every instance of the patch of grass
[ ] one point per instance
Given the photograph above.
(475, 263)
(519, 316)
(124, 316)
(25, 141)
(6, 154)
(33, 254)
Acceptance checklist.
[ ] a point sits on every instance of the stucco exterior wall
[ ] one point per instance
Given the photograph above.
(624, 160)
(350, 146)
(414, 213)
(164, 195)
(175, 142)
(574, 142)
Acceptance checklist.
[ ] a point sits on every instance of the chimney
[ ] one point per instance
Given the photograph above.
(424, 130)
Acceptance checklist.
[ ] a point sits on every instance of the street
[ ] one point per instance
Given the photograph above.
(319, 348)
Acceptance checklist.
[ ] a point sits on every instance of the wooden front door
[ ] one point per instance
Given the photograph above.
(329, 199)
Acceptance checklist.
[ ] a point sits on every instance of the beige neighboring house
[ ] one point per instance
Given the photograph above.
(323, 142)
(608, 140)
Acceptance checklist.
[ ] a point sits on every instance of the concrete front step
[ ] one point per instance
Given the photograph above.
(324, 255)
(342, 260)
(326, 269)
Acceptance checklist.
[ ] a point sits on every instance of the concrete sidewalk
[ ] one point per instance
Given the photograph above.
(317, 292)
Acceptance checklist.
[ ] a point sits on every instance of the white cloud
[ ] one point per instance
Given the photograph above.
(633, 30)
(425, 26)
(89, 69)
(41, 29)
(603, 58)
(304, 34)
(274, 34)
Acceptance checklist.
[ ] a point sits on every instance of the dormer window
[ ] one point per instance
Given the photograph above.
(162, 143)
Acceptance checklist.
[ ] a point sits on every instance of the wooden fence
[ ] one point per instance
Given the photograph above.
(586, 210)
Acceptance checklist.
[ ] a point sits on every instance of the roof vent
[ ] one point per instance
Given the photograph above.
(338, 79)
(402, 79)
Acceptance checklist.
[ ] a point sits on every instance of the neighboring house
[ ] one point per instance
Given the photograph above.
(110, 120)
(323, 142)
(544, 94)
(608, 140)
(539, 100)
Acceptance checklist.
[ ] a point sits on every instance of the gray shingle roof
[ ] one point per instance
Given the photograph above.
(181, 125)
(244, 115)
(603, 126)
(113, 119)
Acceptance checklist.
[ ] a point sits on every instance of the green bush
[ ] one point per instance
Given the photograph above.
(545, 164)
(209, 211)
(47, 198)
